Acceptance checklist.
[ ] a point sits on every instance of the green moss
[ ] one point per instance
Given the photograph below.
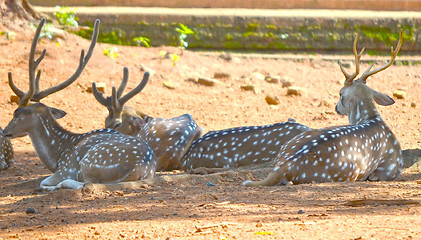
(253, 26)
(228, 37)
(232, 45)
(271, 26)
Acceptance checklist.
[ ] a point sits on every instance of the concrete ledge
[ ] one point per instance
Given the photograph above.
(307, 30)
(389, 5)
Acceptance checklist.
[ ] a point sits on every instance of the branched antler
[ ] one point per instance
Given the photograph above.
(394, 53)
(33, 93)
(115, 103)
(350, 77)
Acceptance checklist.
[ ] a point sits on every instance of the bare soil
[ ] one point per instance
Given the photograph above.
(215, 206)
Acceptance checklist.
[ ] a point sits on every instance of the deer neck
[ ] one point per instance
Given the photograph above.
(362, 112)
(50, 140)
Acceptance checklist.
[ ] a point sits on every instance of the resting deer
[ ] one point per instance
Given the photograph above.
(241, 146)
(169, 138)
(101, 156)
(364, 150)
(6, 152)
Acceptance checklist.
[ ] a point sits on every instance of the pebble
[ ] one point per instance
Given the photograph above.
(221, 75)
(147, 69)
(14, 98)
(30, 211)
(286, 81)
(399, 94)
(272, 100)
(273, 79)
(207, 81)
(169, 85)
(100, 86)
(297, 91)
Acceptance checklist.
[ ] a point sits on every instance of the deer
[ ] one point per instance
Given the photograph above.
(6, 152)
(240, 146)
(100, 156)
(366, 149)
(169, 138)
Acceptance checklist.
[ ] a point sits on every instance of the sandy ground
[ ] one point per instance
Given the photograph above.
(181, 206)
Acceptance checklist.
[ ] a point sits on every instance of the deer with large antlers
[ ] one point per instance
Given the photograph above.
(101, 156)
(6, 152)
(364, 150)
(169, 138)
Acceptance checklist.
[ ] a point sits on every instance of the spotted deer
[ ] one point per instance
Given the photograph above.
(6, 152)
(364, 150)
(241, 146)
(100, 156)
(169, 138)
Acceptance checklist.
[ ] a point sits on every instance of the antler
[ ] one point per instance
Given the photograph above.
(33, 64)
(107, 101)
(33, 93)
(115, 101)
(394, 53)
(135, 91)
(350, 77)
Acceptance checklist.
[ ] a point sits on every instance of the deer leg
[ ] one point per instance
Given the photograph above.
(71, 184)
(387, 170)
(51, 182)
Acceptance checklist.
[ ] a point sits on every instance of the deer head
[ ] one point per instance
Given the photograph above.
(123, 119)
(28, 105)
(356, 98)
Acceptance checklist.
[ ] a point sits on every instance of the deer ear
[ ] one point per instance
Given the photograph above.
(382, 99)
(57, 113)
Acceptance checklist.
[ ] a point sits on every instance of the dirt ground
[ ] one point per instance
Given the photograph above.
(216, 206)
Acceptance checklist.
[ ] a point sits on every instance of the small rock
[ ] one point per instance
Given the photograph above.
(169, 85)
(226, 56)
(297, 91)
(399, 94)
(347, 64)
(14, 98)
(100, 86)
(258, 76)
(324, 103)
(272, 100)
(249, 88)
(259, 224)
(413, 104)
(301, 211)
(221, 75)
(147, 69)
(207, 81)
(286, 82)
(30, 211)
(273, 79)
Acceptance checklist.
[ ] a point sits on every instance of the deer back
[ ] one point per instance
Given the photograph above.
(170, 139)
(240, 146)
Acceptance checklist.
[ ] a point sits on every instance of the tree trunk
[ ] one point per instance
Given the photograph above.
(21, 9)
